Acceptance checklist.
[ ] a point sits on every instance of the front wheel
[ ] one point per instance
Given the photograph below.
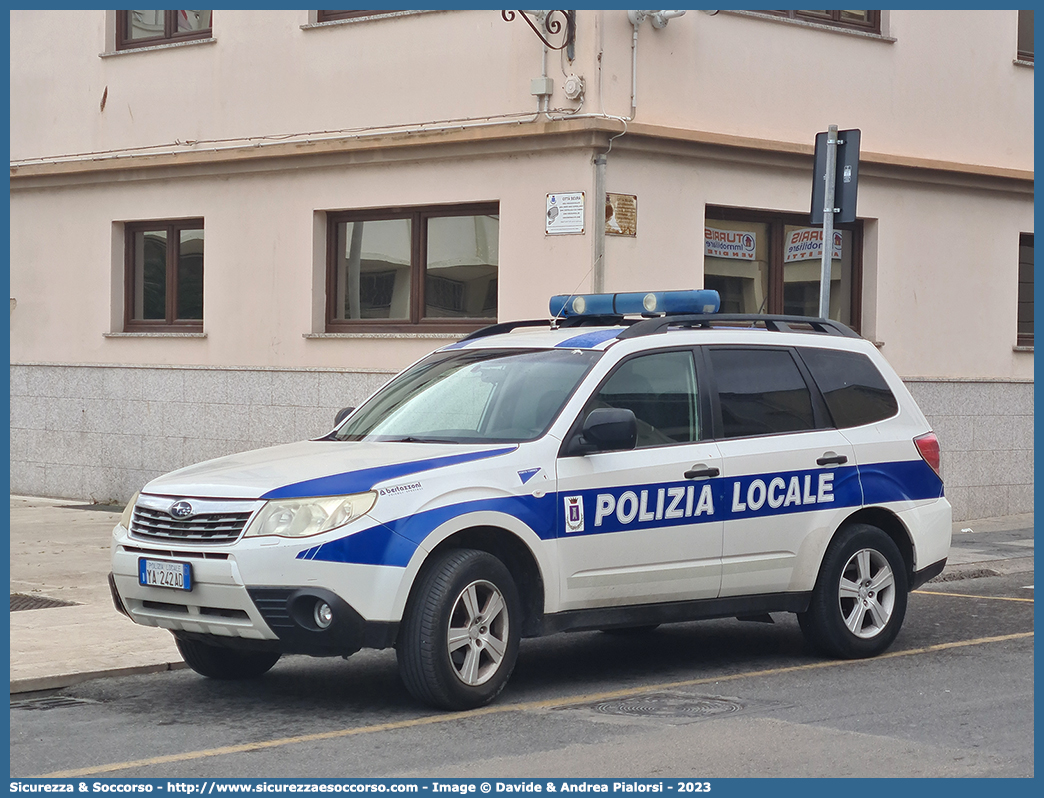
(859, 600)
(459, 638)
(218, 662)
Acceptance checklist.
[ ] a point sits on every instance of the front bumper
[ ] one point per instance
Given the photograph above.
(926, 574)
(290, 614)
(258, 594)
(278, 619)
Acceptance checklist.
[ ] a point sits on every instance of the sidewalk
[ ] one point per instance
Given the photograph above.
(63, 554)
(60, 551)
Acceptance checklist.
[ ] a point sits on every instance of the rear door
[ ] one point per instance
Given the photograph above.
(789, 476)
(644, 525)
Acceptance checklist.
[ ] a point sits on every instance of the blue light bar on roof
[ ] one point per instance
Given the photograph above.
(645, 303)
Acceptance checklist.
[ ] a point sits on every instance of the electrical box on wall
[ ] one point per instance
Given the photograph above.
(541, 86)
(573, 87)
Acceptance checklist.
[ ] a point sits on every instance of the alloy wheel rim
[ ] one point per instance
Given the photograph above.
(866, 593)
(477, 636)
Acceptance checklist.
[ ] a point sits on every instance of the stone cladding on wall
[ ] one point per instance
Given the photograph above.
(98, 433)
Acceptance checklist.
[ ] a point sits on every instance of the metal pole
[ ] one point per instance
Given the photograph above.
(828, 222)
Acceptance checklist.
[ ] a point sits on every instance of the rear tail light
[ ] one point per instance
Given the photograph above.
(928, 446)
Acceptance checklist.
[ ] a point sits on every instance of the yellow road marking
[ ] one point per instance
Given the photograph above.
(503, 708)
(971, 595)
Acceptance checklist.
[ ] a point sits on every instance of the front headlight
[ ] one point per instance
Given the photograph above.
(128, 511)
(302, 518)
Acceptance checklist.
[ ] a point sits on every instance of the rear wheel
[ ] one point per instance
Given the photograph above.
(218, 662)
(459, 638)
(859, 600)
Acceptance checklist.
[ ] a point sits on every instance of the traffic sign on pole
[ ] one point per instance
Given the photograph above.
(835, 178)
(846, 176)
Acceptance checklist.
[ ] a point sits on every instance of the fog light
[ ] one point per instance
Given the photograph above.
(323, 614)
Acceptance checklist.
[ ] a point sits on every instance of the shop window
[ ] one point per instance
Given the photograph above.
(869, 21)
(405, 268)
(164, 275)
(770, 263)
(1025, 51)
(145, 28)
(330, 16)
(1025, 318)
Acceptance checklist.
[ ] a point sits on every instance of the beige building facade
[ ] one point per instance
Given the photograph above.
(226, 228)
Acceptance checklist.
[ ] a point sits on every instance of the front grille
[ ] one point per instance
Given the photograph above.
(177, 553)
(164, 606)
(181, 609)
(218, 527)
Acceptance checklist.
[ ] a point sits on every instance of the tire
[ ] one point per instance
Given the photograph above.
(459, 638)
(218, 662)
(859, 601)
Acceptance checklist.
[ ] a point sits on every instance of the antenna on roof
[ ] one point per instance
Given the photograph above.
(556, 317)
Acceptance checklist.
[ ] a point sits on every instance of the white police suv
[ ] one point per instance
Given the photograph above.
(636, 460)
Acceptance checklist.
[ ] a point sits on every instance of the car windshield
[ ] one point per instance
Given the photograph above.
(483, 396)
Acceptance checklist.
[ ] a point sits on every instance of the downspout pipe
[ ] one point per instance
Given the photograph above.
(601, 159)
(598, 267)
(545, 100)
(634, 66)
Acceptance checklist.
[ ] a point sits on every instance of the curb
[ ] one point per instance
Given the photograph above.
(36, 684)
(975, 570)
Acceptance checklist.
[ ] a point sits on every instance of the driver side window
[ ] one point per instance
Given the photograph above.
(660, 389)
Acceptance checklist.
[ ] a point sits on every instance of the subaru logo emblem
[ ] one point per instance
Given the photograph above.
(181, 509)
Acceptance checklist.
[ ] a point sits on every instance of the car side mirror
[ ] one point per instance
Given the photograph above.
(342, 414)
(609, 429)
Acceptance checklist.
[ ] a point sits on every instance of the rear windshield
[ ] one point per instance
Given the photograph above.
(854, 389)
(479, 396)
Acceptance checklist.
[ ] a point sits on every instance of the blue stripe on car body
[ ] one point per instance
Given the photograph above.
(395, 542)
(365, 479)
(588, 340)
(910, 480)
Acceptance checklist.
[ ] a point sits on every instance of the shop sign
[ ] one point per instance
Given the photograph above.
(565, 214)
(806, 243)
(736, 244)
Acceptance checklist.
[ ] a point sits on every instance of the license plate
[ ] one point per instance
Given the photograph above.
(161, 573)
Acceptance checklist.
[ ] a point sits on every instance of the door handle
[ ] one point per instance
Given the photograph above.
(829, 458)
(701, 470)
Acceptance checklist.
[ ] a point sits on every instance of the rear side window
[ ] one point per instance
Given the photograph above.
(761, 392)
(854, 389)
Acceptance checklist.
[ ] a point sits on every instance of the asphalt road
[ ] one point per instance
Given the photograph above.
(715, 699)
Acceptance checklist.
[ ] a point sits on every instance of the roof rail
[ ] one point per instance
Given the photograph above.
(707, 320)
(561, 323)
(658, 324)
(506, 326)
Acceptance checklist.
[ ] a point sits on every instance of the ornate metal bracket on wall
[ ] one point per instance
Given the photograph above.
(552, 26)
